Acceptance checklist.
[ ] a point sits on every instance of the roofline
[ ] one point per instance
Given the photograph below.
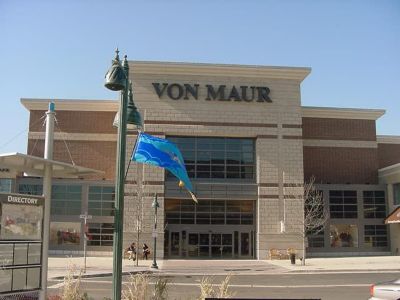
(341, 113)
(209, 69)
(388, 139)
(70, 104)
(112, 105)
(390, 170)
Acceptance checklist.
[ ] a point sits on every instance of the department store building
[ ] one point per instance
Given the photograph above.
(248, 144)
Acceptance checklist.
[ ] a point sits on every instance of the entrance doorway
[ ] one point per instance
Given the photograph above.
(209, 245)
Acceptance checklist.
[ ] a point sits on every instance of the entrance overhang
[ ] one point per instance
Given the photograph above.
(35, 166)
(394, 217)
(390, 174)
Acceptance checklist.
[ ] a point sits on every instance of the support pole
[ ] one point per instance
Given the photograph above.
(48, 154)
(155, 205)
(119, 189)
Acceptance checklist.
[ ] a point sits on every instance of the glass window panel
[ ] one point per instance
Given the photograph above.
(172, 205)
(396, 194)
(203, 144)
(20, 254)
(217, 151)
(203, 174)
(19, 279)
(350, 193)
(233, 175)
(33, 278)
(246, 206)
(74, 189)
(368, 194)
(95, 189)
(343, 235)
(248, 157)
(62, 233)
(6, 254)
(34, 253)
(5, 280)
(336, 194)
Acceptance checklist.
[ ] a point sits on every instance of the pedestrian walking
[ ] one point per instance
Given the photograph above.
(132, 251)
(146, 251)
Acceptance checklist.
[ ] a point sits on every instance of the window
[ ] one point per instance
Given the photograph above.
(343, 235)
(343, 204)
(66, 199)
(101, 200)
(316, 239)
(100, 234)
(5, 185)
(209, 212)
(374, 204)
(65, 233)
(375, 236)
(227, 158)
(30, 189)
(396, 194)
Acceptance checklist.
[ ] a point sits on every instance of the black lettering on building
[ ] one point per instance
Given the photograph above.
(159, 91)
(245, 97)
(214, 95)
(172, 94)
(263, 94)
(192, 90)
(234, 94)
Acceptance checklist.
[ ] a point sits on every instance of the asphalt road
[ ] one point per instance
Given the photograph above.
(327, 286)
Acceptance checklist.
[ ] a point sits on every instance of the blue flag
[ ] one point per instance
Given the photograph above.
(162, 153)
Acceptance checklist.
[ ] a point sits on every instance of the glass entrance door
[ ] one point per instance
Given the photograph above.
(186, 244)
(244, 244)
(175, 244)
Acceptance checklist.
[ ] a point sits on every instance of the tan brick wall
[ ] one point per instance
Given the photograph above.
(96, 155)
(339, 129)
(341, 165)
(76, 121)
(388, 154)
(278, 148)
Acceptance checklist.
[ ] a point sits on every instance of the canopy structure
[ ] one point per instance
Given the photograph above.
(394, 217)
(35, 166)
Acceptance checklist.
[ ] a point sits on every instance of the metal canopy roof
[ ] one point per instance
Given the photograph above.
(35, 166)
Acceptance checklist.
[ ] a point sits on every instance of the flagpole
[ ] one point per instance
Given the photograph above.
(140, 179)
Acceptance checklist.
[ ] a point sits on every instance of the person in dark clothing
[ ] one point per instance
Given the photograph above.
(146, 251)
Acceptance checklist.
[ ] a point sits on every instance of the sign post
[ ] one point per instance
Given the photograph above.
(85, 217)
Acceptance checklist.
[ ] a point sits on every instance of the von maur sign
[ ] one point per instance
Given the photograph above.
(187, 91)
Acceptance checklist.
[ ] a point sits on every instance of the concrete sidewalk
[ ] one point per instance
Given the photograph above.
(101, 266)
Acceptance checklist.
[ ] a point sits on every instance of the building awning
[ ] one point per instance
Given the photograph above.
(390, 174)
(35, 166)
(394, 216)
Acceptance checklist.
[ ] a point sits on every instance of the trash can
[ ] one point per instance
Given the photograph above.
(292, 258)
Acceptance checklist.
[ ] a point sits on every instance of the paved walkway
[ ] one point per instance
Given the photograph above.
(100, 266)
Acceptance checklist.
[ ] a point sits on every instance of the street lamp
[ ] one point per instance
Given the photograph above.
(117, 79)
(155, 205)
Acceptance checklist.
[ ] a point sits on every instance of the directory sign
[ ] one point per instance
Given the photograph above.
(21, 219)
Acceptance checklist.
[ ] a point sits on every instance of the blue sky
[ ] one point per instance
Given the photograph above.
(62, 49)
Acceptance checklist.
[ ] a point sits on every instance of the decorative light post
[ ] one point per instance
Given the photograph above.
(117, 79)
(155, 205)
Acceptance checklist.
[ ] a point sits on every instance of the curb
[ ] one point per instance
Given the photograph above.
(103, 274)
(287, 272)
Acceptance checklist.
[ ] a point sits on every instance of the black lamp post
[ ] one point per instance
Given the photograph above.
(117, 79)
(155, 205)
